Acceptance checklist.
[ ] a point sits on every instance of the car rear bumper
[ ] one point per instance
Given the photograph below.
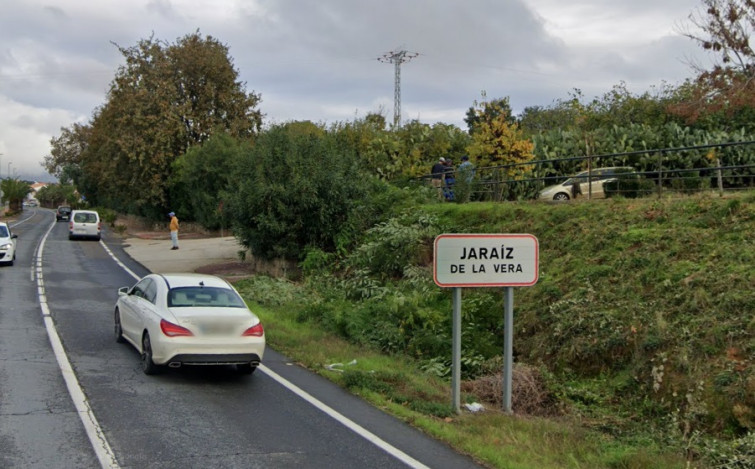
(194, 351)
(84, 234)
(219, 359)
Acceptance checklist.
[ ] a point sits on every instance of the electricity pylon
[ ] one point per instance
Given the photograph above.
(397, 58)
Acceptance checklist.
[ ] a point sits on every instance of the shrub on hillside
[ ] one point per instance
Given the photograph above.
(299, 187)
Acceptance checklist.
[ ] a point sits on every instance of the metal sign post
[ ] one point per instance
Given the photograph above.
(456, 351)
(508, 346)
(485, 260)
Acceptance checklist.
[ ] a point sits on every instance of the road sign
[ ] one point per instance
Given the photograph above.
(486, 260)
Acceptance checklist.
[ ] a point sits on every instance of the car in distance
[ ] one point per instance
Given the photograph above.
(7, 244)
(586, 182)
(84, 224)
(63, 213)
(188, 319)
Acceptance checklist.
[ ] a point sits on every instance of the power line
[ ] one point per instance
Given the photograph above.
(397, 58)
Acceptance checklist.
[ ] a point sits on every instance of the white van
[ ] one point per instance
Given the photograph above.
(84, 224)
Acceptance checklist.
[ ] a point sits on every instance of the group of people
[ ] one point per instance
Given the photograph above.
(443, 176)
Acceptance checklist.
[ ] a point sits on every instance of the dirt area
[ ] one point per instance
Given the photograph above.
(134, 227)
(231, 271)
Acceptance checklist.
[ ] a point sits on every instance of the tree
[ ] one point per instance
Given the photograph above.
(64, 160)
(202, 178)
(13, 192)
(57, 194)
(728, 89)
(165, 99)
(487, 111)
(725, 29)
(300, 187)
(405, 152)
(497, 140)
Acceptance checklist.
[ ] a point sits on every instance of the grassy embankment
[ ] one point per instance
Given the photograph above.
(639, 331)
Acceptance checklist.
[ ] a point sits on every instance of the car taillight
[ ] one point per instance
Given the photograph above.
(173, 330)
(254, 331)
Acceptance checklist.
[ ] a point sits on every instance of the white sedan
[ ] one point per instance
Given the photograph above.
(188, 319)
(7, 244)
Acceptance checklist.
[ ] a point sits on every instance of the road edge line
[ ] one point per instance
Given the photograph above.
(92, 427)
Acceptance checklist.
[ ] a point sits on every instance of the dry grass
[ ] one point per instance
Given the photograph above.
(529, 395)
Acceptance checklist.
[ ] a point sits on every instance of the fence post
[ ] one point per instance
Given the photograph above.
(720, 177)
(660, 174)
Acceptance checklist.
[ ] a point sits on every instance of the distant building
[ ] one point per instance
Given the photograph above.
(34, 189)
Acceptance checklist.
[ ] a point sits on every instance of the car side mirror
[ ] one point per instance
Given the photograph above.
(14, 236)
(123, 290)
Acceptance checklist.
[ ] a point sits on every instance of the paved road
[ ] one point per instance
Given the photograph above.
(282, 416)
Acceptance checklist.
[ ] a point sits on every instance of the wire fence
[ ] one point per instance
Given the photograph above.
(659, 172)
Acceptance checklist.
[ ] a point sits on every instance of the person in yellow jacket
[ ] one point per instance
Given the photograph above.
(173, 229)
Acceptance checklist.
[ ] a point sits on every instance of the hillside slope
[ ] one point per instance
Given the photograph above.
(654, 299)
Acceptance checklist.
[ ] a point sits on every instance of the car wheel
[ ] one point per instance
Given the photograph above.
(148, 366)
(561, 197)
(245, 369)
(118, 329)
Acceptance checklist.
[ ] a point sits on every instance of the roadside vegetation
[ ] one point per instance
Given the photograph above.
(634, 349)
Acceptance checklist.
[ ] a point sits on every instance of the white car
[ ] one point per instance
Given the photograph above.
(84, 224)
(7, 244)
(188, 319)
(579, 184)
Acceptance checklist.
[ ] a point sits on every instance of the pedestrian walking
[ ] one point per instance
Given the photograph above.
(173, 230)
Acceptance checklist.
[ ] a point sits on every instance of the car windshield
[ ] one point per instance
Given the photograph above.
(3, 232)
(204, 297)
(85, 218)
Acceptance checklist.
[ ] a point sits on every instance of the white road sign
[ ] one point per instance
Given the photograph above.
(486, 260)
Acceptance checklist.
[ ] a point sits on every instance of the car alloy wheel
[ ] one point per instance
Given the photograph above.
(561, 197)
(148, 366)
(118, 329)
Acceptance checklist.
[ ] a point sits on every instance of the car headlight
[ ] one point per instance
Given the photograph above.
(5, 247)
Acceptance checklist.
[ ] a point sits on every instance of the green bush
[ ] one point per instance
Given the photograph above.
(202, 178)
(300, 187)
(628, 186)
(107, 216)
(690, 182)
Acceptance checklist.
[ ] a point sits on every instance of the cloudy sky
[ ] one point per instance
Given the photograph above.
(318, 59)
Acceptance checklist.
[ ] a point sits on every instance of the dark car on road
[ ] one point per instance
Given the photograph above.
(63, 213)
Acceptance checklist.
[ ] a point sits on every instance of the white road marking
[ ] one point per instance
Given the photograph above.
(99, 443)
(118, 261)
(350, 424)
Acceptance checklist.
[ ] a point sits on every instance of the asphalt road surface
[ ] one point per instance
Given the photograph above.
(89, 405)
